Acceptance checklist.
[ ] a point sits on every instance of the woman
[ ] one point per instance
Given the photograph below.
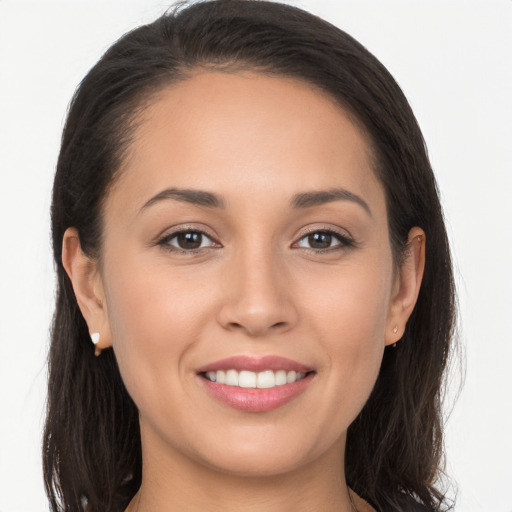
(241, 212)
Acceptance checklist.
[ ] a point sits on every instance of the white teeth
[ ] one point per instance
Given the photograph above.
(280, 377)
(266, 379)
(246, 379)
(231, 378)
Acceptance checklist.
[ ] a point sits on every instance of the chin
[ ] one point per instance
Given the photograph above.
(268, 456)
(262, 466)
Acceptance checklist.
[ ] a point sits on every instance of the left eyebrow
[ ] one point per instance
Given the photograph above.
(320, 197)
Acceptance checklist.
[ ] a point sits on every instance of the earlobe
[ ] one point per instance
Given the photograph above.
(407, 286)
(88, 287)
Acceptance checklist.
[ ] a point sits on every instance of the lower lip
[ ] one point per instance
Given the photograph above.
(256, 399)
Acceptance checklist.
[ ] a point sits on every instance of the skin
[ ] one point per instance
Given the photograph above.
(255, 287)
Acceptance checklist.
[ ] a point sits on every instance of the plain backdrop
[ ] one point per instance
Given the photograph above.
(452, 59)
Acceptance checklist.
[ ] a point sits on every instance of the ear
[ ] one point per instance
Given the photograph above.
(88, 287)
(406, 287)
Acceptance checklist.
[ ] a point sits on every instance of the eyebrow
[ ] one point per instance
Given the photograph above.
(301, 200)
(320, 197)
(196, 197)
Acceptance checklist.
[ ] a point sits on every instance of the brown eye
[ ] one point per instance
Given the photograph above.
(324, 240)
(320, 240)
(188, 240)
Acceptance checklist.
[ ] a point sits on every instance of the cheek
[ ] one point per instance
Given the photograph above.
(155, 319)
(349, 323)
(351, 305)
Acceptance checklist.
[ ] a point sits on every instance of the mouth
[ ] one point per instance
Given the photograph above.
(255, 384)
(267, 379)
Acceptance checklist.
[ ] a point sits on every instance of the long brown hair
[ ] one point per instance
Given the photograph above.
(92, 450)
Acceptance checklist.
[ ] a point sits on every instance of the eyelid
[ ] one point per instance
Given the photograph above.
(346, 240)
(163, 240)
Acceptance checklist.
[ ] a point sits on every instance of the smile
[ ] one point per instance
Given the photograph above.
(255, 384)
(247, 379)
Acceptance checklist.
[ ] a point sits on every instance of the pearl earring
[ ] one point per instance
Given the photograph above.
(395, 330)
(95, 338)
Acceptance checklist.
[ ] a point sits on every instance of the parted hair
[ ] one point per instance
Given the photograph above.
(92, 450)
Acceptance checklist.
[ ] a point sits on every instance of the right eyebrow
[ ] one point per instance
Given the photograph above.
(192, 196)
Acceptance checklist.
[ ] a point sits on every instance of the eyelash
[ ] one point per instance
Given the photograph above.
(345, 242)
(165, 241)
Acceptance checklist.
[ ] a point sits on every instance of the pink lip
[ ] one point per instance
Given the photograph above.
(255, 364)
(255, 399)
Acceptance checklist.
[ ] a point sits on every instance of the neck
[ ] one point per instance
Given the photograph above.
(173, 482)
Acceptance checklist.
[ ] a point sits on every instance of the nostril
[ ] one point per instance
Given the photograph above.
(256, 317)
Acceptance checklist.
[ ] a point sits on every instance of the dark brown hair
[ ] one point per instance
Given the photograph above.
(92, 451)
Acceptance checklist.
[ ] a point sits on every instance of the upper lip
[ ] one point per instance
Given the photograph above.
(255, 364)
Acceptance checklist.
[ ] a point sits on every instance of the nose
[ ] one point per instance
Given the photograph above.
(257, 297)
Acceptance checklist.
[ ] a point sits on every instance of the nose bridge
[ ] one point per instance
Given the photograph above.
(258, 277)
(257, 299)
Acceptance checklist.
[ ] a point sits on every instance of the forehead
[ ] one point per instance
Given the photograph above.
(236, 133)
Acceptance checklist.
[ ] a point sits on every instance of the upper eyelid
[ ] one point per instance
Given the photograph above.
(345, 240)
(164, 241)
(305, 233)
(180, 231)
(340, 234)
(326, 229)
(187, 229)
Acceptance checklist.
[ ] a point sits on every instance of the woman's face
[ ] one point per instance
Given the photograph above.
(247, 232)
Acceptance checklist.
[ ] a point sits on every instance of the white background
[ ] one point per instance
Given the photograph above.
(453, 60)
